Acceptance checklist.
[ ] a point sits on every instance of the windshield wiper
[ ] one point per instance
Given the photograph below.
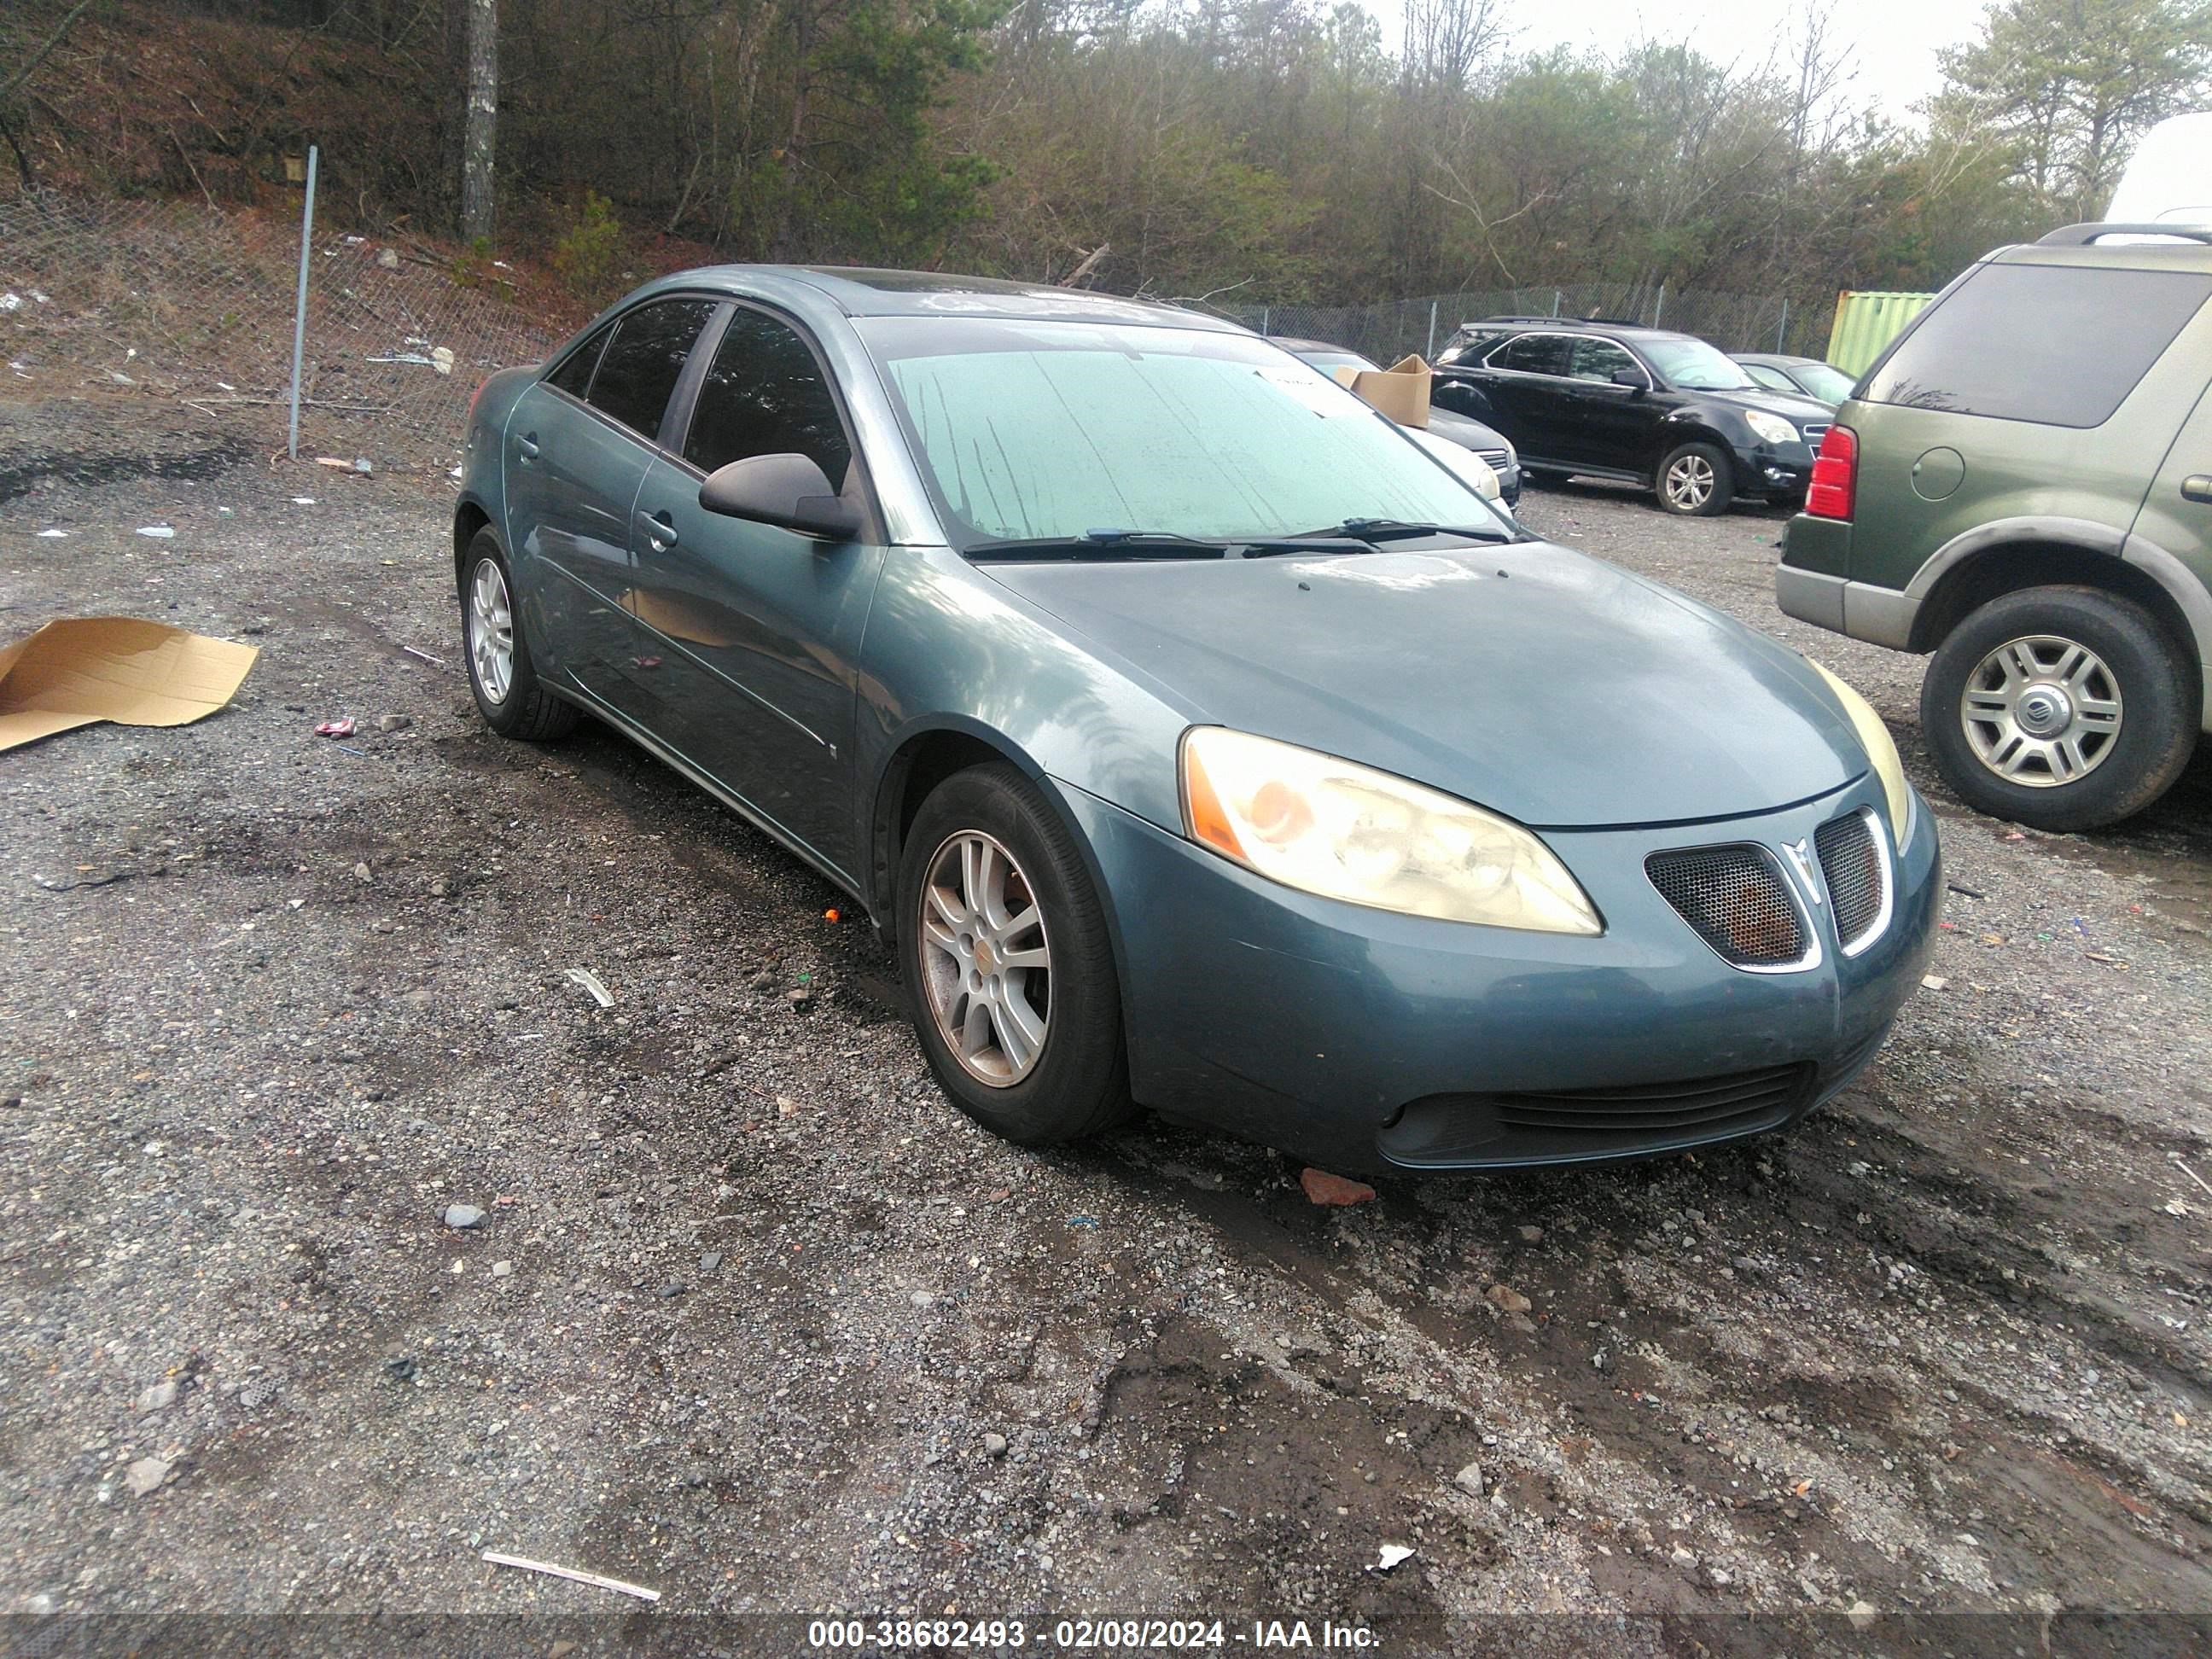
(1162, 545)
(1103, 544)
(1375, 532)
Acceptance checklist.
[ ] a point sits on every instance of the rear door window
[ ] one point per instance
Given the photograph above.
(1533, 354)
(575, 374)
(2059, 345)
(639, 369)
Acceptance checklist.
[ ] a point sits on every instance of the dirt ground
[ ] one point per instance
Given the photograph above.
(753, 1318)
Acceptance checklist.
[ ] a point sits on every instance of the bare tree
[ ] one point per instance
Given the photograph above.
(479, 147)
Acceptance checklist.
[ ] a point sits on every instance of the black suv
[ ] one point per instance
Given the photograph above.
(1616, 400)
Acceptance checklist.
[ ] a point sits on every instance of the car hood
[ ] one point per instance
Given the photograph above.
(1466, 434)
(1536, 680)
(1796, 410)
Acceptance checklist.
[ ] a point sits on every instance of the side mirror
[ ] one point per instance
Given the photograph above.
(1632, 378)
(789, 490)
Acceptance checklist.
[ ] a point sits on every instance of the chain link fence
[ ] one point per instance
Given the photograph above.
(1734, 322)
(170, 311)
(181, 310)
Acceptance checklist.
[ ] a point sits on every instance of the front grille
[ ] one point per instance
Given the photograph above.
(1858, 876)
(1736, 900)
(1699, 1103)
(1496, 458)
(1814, 431)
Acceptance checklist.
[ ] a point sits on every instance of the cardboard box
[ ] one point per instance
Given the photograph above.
(1402, 390)
(89, 669)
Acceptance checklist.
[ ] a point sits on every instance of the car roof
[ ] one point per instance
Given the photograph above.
(1611, 329)
(861, 291)
(1772, 359)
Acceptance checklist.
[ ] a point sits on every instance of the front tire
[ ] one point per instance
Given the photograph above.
(501, 673)
(2061, 708)
(1008, 966)
(1695, 481)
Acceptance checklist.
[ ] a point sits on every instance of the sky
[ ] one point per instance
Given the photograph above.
(1892, 43)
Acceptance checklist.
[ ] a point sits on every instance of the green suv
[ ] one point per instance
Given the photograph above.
(2022, 485)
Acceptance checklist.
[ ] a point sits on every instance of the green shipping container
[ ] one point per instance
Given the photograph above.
(1865, 322)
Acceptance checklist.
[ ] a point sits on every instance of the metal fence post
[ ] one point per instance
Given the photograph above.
(1555, 302)
(1659, 306)
(1431, 352)
(1782, 333)
(1266, 312)
(300, 305)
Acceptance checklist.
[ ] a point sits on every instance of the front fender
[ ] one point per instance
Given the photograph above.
(948, 650)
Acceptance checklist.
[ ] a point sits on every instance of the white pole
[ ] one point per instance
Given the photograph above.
(300, 304)
(1782, 332)
(1431, 352)
(1659, 309)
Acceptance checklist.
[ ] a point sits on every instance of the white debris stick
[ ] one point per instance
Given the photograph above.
(425, 655)
(592, 982)
(598, 1580)
(2191, 1173)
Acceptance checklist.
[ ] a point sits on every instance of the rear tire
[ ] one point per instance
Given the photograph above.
(2053, 680)
(1695, 482)
(1030, 1048)
(501, 673)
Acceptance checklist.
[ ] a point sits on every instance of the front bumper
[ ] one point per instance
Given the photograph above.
(1361, 1040)
(1768, 473)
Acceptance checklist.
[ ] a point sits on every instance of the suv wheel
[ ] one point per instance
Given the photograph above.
(1696, 481)
(2062, 708)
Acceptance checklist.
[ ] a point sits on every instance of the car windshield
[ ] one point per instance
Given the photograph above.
(1031, 431)
(1828, 384)
(1330, 362)
(1693, 366)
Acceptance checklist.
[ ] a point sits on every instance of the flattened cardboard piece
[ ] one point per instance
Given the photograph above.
(1402, 390)
(88, 669)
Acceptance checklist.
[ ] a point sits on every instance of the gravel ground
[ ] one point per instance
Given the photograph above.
(751, 1316)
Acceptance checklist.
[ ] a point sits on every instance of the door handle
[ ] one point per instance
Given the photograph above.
(660, 529)
(528, 445)
(2197, 487)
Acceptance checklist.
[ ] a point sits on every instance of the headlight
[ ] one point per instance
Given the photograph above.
(1326, 826)
(1880, 748)
(1773, 428)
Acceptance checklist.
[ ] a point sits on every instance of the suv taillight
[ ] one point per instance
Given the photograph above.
(1835, 475)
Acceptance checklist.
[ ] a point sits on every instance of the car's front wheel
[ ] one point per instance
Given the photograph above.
(501, 673)
(1696, 481)
(1008, 966)
(2063, 707)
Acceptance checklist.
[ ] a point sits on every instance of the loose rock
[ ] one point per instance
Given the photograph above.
(1322, 1188)
(463, 1216)
(1510, 1299)
(146, 1475)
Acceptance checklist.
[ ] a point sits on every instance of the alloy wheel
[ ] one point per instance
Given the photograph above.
(1689, 482)
(2041, 711)
(986, 962)
(491, 630)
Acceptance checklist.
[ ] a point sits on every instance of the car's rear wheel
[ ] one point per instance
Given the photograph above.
(501, 673)
(1008, 966)
(1696, 481)
(2063, 707)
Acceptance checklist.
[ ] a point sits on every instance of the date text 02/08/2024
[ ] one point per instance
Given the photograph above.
(1079, 1635)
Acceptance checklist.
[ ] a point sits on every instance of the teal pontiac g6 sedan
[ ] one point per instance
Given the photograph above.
(1196, 740)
